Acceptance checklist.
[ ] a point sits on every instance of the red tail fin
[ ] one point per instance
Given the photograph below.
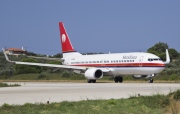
(65, 42)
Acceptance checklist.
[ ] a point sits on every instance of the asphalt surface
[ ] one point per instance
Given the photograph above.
(41, 92)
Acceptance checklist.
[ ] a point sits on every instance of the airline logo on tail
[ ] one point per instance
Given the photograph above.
(65, 42)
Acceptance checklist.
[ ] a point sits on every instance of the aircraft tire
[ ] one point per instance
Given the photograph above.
(151, 80)
(89, 81)
(116, 79)
(93, 81)
(120, 79)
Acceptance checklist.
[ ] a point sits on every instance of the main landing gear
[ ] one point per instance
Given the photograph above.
(118, 79)
(91, 81)
(150, 80)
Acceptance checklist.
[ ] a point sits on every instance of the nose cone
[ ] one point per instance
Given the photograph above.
(161, 66)
(162, 63)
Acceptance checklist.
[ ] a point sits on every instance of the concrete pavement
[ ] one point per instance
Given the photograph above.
(41, 92)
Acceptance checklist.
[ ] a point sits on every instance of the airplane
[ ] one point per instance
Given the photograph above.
(94, 67)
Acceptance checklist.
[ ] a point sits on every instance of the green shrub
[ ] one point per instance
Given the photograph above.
(177, 95)
(65, 75)
(42, 75)
(24, 69)
(173, 77)
(5, 105)
(111, 102)
(4, 85)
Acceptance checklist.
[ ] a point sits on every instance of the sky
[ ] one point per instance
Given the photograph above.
(93, 25)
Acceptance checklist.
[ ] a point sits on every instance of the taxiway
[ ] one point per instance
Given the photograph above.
(41, 92)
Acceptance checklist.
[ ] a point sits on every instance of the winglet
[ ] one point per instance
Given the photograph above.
(6, 56)
(167, 57)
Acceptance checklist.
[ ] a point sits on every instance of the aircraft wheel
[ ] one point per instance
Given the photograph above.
(89, 81)
(120, 79)
(150, 80)
(116, 79)
(93, 81)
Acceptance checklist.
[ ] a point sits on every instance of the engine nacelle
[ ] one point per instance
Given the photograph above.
(93, 73)
(143, 76)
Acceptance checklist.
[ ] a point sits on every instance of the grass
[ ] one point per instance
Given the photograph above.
(8, 85)
(46, 77)
(156, 104)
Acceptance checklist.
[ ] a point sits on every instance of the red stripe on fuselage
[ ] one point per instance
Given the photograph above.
(123, 65)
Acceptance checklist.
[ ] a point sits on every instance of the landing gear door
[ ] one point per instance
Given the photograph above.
(141, 60)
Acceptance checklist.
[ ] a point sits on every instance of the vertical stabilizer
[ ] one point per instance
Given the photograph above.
(65, 42)
(67, 47)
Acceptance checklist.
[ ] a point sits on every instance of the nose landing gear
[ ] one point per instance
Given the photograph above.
(150, 80)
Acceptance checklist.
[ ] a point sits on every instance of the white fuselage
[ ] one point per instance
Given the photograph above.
(120, 63)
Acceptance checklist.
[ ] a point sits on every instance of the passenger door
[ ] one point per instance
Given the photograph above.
(140, 61)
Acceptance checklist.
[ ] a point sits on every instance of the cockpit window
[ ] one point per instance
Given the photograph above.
(154, 59)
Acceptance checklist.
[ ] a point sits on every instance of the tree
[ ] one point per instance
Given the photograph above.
(158, 48)
(24, 69)
(31, 54)
(55, 62)
(162, 56)
(174, 54)
(59, 55)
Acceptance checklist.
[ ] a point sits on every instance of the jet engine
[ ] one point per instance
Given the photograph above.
(93, 73)
(143, 76)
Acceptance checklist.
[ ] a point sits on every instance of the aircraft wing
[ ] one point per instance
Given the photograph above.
(45, 58)
(52, 65)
